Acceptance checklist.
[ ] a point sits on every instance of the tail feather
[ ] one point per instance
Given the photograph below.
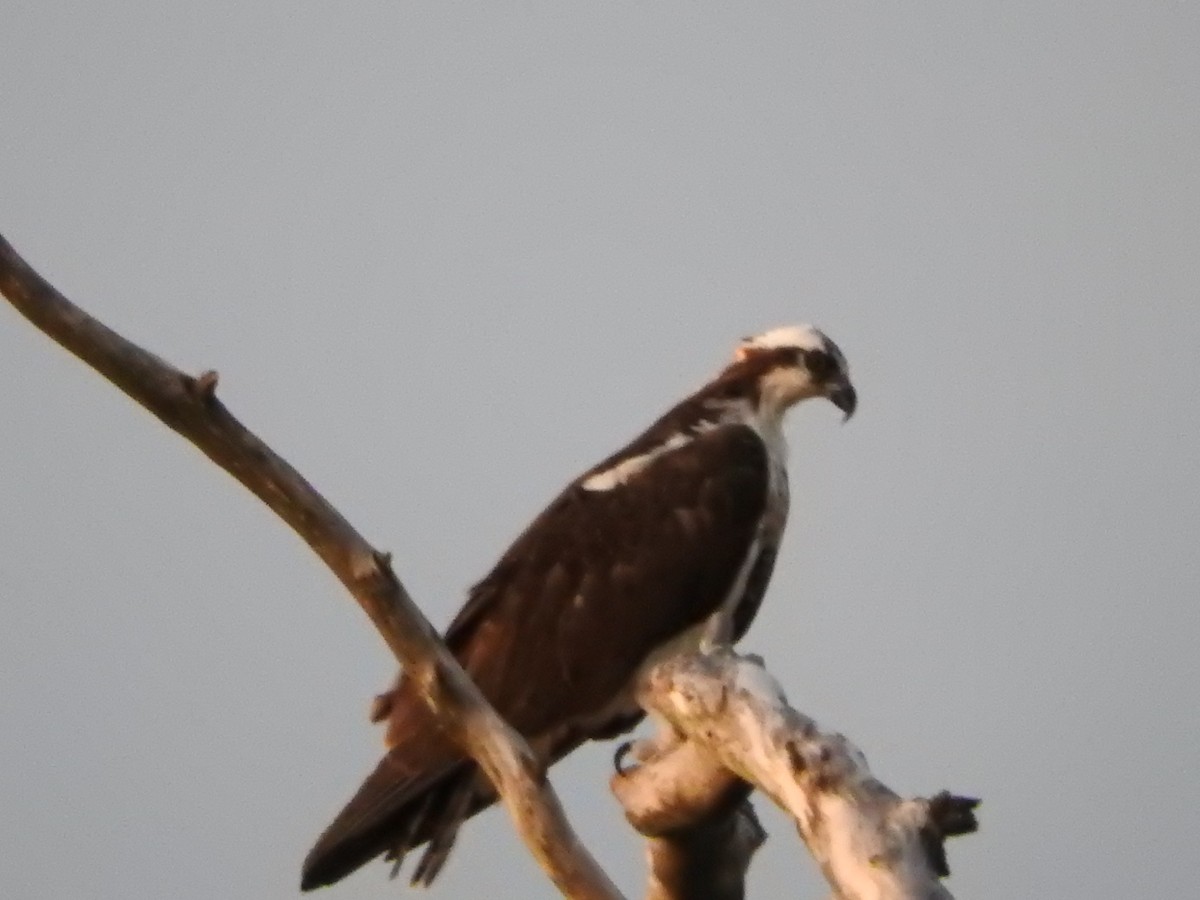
(393, 810)
(421, 792)
(460, 803)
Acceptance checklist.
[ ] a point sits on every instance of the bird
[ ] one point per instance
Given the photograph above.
(666, 545)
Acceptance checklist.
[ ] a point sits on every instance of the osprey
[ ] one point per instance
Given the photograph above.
(667, 543)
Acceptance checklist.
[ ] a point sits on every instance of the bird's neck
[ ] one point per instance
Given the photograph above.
(763, 416)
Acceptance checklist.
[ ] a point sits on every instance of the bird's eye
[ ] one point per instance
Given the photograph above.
(820, 364)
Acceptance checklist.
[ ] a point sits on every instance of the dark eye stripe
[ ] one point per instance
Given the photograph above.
(820, 364)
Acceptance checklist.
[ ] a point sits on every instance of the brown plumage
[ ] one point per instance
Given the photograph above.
(624, 560)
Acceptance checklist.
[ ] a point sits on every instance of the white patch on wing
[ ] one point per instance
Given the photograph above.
(627, 468)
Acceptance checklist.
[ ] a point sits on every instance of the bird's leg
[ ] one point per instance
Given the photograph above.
(718, 631)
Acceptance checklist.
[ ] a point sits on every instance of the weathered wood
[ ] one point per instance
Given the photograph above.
(696, 816)
(870, 843)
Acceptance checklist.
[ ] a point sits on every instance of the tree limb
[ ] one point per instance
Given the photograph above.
(189, 406)
(696, 815)
(730, 720)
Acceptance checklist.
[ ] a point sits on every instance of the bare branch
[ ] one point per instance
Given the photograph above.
(868, 841)
(190, 407)
(708, 861)
(696, 815)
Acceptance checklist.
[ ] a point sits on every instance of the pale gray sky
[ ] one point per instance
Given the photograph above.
(447, 255)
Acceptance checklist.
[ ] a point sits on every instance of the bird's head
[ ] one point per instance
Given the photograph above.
(794, 363)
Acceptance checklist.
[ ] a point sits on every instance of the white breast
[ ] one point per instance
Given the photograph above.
(770, 429)
(719, 628)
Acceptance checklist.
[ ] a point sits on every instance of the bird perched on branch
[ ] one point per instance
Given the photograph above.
(667, 543)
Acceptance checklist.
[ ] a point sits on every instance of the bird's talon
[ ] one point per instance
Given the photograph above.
(619, 757)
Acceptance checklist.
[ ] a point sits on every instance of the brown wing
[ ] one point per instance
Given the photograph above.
(559, 627)
(602, 578)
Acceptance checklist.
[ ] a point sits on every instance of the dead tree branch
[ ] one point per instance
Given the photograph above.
(189, 406)
(729, 720)
(696, 816)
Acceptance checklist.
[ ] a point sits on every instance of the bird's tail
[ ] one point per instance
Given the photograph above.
(404, 803)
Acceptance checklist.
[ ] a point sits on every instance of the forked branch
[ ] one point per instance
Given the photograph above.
(728, 720)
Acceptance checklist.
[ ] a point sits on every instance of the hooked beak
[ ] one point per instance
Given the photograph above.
(845, 398)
